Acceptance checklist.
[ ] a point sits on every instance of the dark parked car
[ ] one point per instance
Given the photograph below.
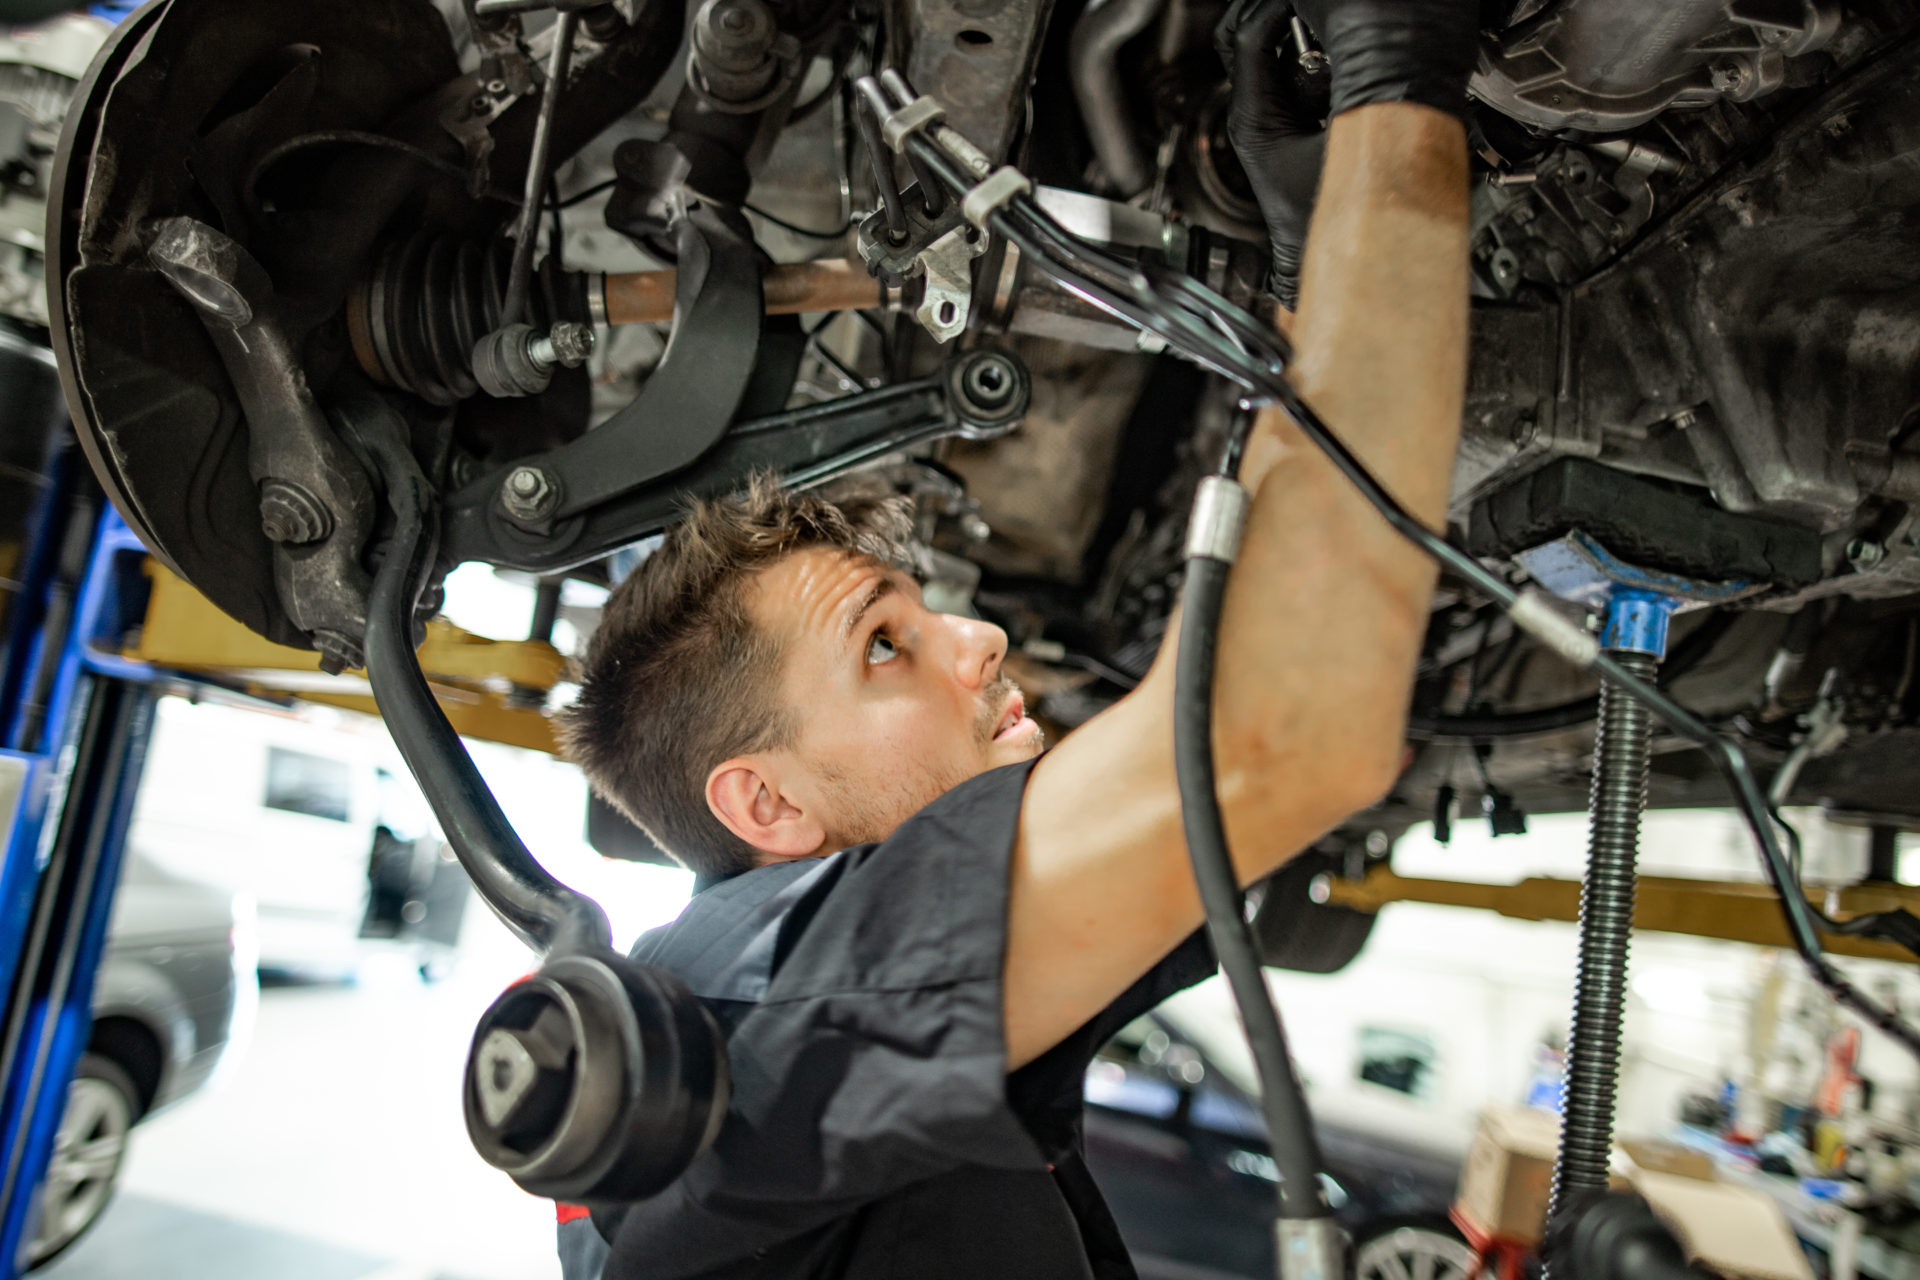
(175, 988)
(1181, 1154)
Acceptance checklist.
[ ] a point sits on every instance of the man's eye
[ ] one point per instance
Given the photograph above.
(880, 649)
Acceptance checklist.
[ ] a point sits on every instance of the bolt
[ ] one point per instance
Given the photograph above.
(1864, 554)
(1730, 77)
(337, 651)
(975, 528)
(1524, 429)
(291, 515)
(529, 493)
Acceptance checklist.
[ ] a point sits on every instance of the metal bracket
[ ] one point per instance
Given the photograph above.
(918, 114)
(1002, 185)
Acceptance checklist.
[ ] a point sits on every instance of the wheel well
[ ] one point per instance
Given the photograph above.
(136, 1048)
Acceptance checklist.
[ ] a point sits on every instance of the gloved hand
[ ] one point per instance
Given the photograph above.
(1397, 50)
(1279, 144)
(1379, 51)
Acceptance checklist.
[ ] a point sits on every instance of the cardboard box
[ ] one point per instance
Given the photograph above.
(1507, 1181)
(1508, 1176)
(1736, 1231)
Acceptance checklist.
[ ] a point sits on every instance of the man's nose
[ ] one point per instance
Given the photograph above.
(979, 651)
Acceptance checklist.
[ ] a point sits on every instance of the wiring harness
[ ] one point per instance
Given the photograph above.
(1205, 328)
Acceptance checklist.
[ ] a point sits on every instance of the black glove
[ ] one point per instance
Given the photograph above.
(1397, 50)
(1379, 51)
(1279, 142)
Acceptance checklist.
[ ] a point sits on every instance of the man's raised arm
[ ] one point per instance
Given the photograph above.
(1327, 606)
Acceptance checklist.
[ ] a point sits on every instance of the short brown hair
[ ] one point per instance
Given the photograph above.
(677, 679)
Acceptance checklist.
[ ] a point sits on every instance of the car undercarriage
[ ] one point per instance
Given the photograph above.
(579, 266)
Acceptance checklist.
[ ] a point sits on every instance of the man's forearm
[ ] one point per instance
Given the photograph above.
(1323, 615)
(1327, 605)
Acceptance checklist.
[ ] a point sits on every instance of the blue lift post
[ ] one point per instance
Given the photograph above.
(74, 724)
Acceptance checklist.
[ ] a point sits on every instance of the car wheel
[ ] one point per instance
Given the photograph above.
(1413, 1251)
(102, 1104)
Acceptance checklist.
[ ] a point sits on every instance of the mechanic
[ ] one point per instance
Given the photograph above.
(914, 928)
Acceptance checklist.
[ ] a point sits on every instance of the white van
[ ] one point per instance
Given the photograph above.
(281, 806)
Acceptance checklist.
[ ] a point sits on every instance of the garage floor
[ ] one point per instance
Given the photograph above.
(333, 1149)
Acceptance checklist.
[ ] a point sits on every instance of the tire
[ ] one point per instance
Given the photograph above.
(1295, 932)
(1412, 1249)
(89, 1150)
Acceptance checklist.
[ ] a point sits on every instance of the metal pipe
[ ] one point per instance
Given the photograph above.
(1093, 62)
(646, 297)
(527, 221)
(868, 107)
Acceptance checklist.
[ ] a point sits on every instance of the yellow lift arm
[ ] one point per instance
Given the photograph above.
(493, 690)
(1734, 911)
(490, 689)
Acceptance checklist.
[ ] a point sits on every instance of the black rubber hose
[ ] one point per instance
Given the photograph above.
(1621, 754)
(1282, 1102)
(547, 915)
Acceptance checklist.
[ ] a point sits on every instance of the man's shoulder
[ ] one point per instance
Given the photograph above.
(723, 945)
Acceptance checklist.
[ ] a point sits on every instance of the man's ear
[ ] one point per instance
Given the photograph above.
(744, 794)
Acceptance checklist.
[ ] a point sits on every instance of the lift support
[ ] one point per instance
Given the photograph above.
(94, 632)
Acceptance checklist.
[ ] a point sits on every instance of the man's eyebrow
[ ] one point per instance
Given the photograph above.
(880, 591)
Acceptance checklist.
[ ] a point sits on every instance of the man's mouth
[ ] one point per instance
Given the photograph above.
(1013, 721)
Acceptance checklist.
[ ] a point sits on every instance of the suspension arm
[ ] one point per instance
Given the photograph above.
(977, 395)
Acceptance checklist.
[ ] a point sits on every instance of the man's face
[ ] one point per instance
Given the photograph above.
(894, 704)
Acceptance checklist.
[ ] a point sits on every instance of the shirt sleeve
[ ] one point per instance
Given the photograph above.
(877, 1056)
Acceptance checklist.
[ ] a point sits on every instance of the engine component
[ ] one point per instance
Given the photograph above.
(646, 297)
(519, 360)
(1586, 65)
(596, 1079)
(977, 395)
(1093, 57)
(1657, 525)
(416, 318)
(740, 62)
(38, 69)
(310, 484)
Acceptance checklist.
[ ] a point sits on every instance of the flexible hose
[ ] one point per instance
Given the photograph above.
(1622, 751)
(545, 914)
(1282, 1102)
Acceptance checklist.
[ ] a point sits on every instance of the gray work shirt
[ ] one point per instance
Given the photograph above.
(874, 1130)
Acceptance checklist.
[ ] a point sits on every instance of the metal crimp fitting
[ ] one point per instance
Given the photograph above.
(1311, 1248)
(1219, 517)
(921, 113)
(999, 187)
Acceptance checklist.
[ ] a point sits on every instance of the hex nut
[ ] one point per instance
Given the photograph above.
(292, 516)
(572, 343)
(529, 493)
